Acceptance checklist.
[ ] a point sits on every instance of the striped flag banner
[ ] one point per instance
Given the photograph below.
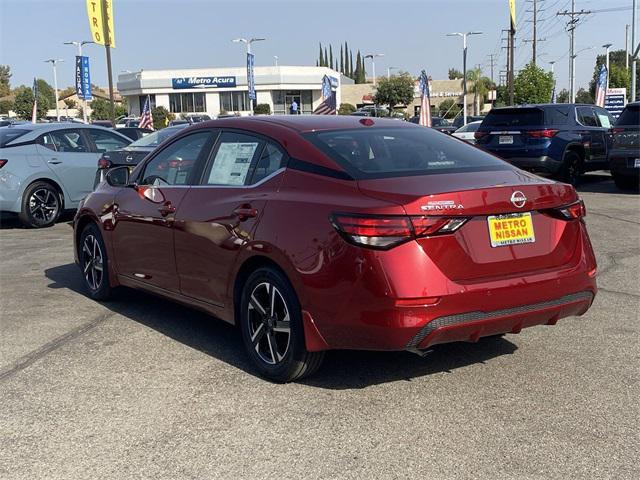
(601, 86)
(425, 100)
(328, 105)
(146, 120)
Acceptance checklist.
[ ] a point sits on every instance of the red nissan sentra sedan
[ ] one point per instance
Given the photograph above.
(318, 233)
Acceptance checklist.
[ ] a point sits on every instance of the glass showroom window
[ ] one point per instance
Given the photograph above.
(187, 102)
(234, 101)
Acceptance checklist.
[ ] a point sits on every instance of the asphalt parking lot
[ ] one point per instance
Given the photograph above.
(143, 388)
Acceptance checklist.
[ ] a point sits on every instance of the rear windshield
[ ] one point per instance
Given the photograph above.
(514, 117)
(7, 134)
(156, 138)
(397, 152)
(630, 116)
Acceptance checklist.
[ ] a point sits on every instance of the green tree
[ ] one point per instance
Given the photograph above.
(341, 59)
(70, 102)
(330, 56)
(351, 68)
(23, 105)
(161, 117)
(321, 57)
(262, 109)
(454, 74)
(346, 109)
(5, 80)
(47, 90)
(619, 75)
(397, 90)
(584, 96)
(563, 96)
(502, 96)
(100, 109)
(533, 85)
(448, 108)
(480, 88)
(5, 106)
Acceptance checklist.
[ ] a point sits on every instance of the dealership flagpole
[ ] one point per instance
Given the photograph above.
(107, 46)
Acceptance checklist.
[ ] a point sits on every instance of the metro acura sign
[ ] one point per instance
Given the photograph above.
(203, 82)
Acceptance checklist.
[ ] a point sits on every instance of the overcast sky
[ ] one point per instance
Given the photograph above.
(162, 34)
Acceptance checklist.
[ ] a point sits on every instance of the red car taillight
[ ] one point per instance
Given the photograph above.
(478, 135)
(573, 211)
(546, 133)
(104, 163)
(386, 231)
(3, 163)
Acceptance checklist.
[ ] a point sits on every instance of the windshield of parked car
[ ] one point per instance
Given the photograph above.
(402, 151)
(156, 138)
(469, 127)
(8, 134)
(514, 117)
(630, 116)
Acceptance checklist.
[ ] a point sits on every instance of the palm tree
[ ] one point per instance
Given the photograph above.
(481, 86)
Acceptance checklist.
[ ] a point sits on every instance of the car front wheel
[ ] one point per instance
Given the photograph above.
(93, 262)
(271, 322)
(571, 168)
(41, 205)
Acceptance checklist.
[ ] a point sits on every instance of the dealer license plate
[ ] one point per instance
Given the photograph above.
(505, 139)
(511, 229)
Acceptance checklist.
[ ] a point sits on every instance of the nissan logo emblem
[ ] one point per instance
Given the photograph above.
(518, 199)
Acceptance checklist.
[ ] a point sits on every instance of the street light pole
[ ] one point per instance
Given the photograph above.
(372, 56)
(53, 62)
(248, 43)
(635, 52)
(464, 69)
(606, 47)
(389, 71)
(79, 44)
(275, 58)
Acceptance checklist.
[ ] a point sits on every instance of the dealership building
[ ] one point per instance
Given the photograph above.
(213, 91)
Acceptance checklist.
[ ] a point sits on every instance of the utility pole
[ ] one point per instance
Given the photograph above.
(107, 45)
(571, 27)
(512, 35)
(54, 62)
(635, 52)
(492, 63)
(626, 46)
(534, 39)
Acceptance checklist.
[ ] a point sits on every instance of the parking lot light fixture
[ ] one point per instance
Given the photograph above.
(248, 43)
(54, 62)
(372, 56)
(389, 71)
(80, 44)
(464, 69)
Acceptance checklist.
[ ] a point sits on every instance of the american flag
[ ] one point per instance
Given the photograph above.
(328, 105)
(146, 120)
(425, 100)
(601, 87)
(34, 90)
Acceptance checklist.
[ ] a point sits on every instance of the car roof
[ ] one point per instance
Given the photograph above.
(302, 123)
(36, 129)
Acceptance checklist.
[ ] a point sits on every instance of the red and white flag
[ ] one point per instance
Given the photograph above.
(146, 120)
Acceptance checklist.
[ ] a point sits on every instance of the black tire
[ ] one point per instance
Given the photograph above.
(263, 326)
(626, 183)
(41, 205)
(571, 168)
(93, 263)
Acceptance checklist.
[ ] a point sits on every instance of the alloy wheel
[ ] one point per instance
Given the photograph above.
(269, 323)
(92, 262)
(43, 205)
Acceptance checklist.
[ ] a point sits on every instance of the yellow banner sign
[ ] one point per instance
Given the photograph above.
(512, 12)
(101, 32)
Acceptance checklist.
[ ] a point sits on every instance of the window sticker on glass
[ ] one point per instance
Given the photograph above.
(604, 121)
(232, 163)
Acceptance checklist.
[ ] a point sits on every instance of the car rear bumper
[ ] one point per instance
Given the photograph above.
(542, 164)
(623, 163)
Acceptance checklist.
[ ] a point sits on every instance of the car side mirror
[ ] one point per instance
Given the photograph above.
(118, 177)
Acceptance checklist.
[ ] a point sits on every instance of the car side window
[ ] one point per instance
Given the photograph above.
(604, 118)
(69, 141)
(175, 163)
(106, 141)
(47, 142)
(233, 158)
(586, 117)
(270, 161)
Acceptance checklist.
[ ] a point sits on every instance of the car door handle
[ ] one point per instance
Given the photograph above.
(245, 212)
(54, 161)
(167, 209)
